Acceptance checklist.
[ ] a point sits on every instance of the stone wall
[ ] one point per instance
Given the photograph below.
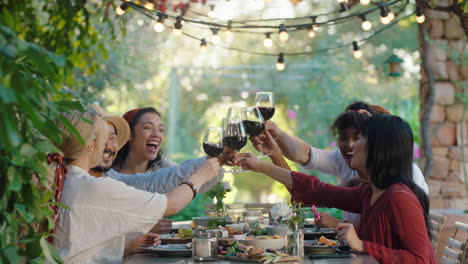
(447, 41)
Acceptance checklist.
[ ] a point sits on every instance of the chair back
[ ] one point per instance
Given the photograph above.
(437, 223)
(455, 252)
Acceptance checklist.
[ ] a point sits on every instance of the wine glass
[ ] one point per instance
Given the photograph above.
(253, 123)
(213, 141)
(234, 132)
(266, 104)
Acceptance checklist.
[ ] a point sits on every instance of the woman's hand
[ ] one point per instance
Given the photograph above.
(208, 170)
(249, 162)
(164, 226)
(346, 231)
(228, 157)
(266, 143)
(326, 220)
(273, 129)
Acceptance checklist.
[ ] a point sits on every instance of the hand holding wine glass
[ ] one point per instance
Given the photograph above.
(235, 136)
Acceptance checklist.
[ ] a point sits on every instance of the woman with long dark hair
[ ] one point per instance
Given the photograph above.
(394, 210)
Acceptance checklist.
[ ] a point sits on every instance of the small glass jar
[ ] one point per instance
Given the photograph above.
(295, 243)
(236, 212)
(253, 216)
(204, 246)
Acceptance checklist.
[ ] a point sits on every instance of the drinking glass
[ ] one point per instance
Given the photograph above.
(266, 104)
(213, 141)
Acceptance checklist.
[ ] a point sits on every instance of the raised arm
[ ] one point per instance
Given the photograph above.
(166, 179)
(292, 147)
(307, 188)
(178, 198)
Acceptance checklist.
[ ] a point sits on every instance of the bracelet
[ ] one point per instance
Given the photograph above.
(192, 186)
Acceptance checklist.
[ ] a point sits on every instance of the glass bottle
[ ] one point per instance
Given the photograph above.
(295, 242)
(204, 246)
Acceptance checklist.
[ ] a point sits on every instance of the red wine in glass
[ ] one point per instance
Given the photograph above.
(235, 142)
(212, 150)
(253, 128)
(267, 112)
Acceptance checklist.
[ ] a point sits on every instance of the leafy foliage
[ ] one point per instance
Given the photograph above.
(42, 44)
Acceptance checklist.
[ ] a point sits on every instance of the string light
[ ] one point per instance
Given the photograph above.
(268, 43)
(148, 5)
(159, 26)
(391, 15)
(366, 24)
(203, 45)
(280, 66)
(314, 22)
(215, 38)
(311, 32)
(229, 28)
(178, 26)
(357, 51)
(211, 13)
(420, 18)
(283, 33)
(384, 18)
(120, 10)
(343, 7)
(365, 2)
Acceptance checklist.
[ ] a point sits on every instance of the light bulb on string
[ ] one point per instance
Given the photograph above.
(342, 1)
(120, 10)
(203, 45)
(391, 15)
(365, 2)
(267, 42)
(366, 24)
(310, 31)
(215, 38)
(314, 22)
(228, 28)
(357, 53)
(280, 65)
(420, 18)
(178, 26)
(211, 13)
(283, 33)
(384, 18)
(159, 26)
(148, 5)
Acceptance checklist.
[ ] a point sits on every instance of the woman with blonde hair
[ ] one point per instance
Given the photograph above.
(100, 212)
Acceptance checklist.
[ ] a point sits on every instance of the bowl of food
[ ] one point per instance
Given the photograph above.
(280, 230)
(271, 242)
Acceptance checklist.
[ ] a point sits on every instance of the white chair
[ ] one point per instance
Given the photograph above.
(437, 223)
(456, 250)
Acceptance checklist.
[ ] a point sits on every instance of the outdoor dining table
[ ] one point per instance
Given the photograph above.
(147, 258)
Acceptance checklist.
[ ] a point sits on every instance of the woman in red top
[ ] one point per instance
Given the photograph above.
(395, 211)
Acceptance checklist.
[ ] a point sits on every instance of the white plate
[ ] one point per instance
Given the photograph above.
(169, 250)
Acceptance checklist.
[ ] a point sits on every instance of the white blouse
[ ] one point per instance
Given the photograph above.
(101, 211)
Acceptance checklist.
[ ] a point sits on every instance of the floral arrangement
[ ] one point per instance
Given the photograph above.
(292, 215)
(219, 192)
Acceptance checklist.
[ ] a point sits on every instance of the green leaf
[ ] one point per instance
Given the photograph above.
(14, 179)
(27, 150)
(49, 251)
(28, 216)
(12, 255)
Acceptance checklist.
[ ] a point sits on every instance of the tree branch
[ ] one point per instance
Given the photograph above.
(428, 103)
